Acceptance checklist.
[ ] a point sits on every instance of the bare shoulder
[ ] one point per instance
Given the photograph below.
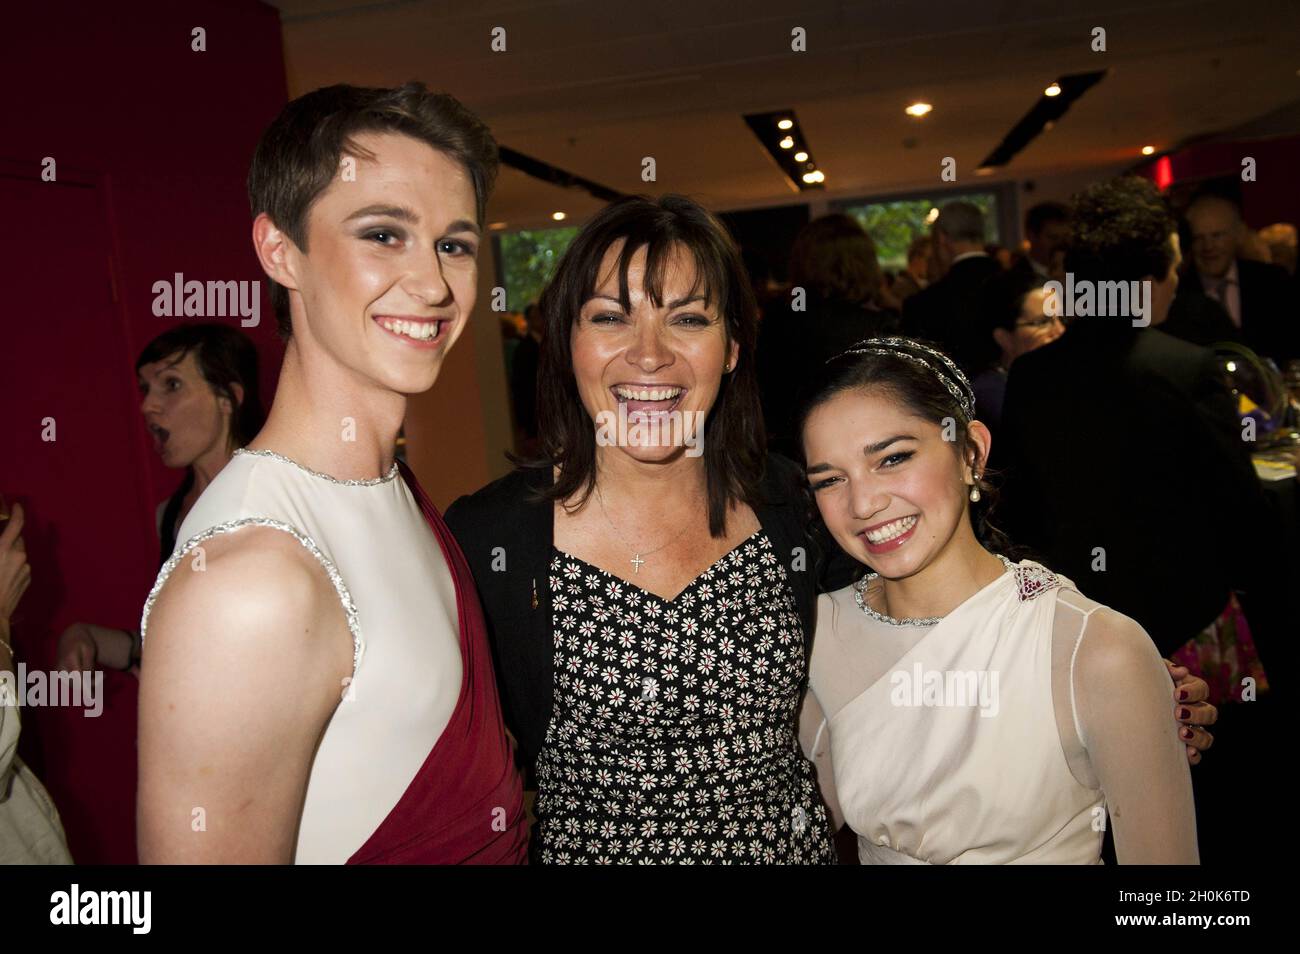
(246, 652)
(254, 584)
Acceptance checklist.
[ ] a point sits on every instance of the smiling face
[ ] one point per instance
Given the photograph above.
(654, 360)
(890, 489)
(184, 415)
(391, 275)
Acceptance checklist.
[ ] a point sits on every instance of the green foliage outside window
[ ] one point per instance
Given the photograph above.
(893, 225)
(528, 260)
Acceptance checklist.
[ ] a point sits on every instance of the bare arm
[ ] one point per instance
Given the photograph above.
(242, 671)
(814, 732)
(1122, 695)
(815, 740)
(86, 646)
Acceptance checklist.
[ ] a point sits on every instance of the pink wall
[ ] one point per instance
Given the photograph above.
(157, 137)
(1272, 197)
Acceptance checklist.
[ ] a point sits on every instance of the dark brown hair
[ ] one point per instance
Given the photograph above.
(834, 258)
(733, 440)
(225, 357)
(1120, 231)
(299, 153)
(921, 390)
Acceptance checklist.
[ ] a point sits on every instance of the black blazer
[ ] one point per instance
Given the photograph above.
(1270, 314)
(793, 347)
(508, 540)
(948, 313)
(1128, 440)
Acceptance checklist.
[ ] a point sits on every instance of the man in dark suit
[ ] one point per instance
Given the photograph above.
(1047, 227)
(1128, 471)
(947, 312)
(1257, 297)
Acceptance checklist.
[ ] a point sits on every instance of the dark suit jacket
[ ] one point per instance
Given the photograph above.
(1127, 440)
(948, 313)
(793, 347)
(1270, 314)
(508, 541)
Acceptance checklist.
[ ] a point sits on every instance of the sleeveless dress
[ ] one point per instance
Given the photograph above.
(672, 739)
(944, 735)
(414, 764)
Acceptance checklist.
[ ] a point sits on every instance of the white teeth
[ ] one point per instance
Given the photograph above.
(891, 530)
(647, 394)
(419, 330)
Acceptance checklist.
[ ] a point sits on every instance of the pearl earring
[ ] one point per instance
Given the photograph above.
(975, 491)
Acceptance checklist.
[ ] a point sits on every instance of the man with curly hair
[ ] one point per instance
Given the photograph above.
(1128, 471)
(1118, 433)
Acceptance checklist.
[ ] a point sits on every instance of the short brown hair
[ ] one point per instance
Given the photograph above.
(299, 152)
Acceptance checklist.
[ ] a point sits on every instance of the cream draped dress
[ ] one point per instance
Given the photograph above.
(964, 741)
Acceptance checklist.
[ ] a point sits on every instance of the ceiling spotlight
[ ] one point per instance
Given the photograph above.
(919, 109)
(559, 216)
(1053, 90)
(785, 124)
(786, 143)
(801, 156)
(1148, 150)
(810, 177)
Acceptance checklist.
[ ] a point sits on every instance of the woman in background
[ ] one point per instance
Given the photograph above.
(838, 296)
(200, 403)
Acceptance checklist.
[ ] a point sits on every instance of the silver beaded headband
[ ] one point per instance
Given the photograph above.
(934, 361)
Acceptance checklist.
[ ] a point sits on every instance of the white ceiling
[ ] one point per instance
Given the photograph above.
(594, 86)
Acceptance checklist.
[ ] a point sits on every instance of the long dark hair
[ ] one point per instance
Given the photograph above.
(225, 356)
(919, 388)
(734, 440)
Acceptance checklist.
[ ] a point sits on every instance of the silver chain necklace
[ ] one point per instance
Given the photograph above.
(637, 561)
(860, 597)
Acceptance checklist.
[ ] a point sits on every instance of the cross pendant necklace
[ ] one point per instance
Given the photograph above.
(636, 561)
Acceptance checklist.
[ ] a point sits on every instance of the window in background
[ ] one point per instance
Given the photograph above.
(527, 262)
(893, 224)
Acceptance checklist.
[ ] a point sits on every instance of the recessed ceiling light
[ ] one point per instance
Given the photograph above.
(919, 109)
(1148, 150)
(786, 143)
(559, 216)
(801, 156)
(1053, 90)
(785, 124)
(815, 176)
